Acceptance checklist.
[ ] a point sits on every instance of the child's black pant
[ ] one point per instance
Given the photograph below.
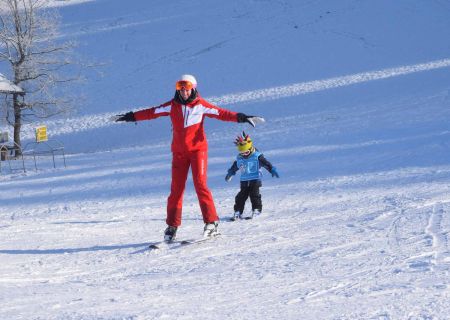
(248, 188)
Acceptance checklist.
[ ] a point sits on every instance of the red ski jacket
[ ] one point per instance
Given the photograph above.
(187, 121)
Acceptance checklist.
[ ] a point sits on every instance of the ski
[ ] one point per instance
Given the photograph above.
(234, 218)
(178, 243)
(243, 218)
(155, 246)
(199, 240)
(162, 244)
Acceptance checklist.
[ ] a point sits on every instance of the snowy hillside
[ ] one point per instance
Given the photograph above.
(356, 95)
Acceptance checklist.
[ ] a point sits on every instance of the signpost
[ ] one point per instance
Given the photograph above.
(44, 146)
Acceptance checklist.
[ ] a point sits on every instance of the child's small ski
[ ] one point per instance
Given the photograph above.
(242, 217)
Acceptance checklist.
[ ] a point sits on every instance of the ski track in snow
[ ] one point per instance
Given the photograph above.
(336, 243)
(435, 230)
(90, 122)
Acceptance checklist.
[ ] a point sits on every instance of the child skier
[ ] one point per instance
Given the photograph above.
(249, 161)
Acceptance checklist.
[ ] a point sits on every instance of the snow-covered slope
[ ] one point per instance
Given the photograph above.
(238, 46)
(356, 95)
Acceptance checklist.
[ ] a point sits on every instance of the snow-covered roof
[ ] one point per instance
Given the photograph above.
(7, 86)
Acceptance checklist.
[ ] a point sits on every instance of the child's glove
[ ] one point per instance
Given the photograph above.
(274, 172)
(229, 175)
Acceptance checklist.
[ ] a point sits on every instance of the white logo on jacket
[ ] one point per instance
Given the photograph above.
(163, 109)
(194, 115)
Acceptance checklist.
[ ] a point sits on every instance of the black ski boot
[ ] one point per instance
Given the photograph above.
(170, 234)
(211, 229)
(255, 212)
(237, 215)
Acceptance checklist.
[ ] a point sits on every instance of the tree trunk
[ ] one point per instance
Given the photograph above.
(17, 125)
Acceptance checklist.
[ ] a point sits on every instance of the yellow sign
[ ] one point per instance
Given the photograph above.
(41, 134)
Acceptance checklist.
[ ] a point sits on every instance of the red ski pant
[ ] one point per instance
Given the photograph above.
(181, 161)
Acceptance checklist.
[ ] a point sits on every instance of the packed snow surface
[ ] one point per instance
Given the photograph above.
(356, 97)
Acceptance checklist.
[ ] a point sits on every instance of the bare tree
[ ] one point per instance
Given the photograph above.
(29, 43)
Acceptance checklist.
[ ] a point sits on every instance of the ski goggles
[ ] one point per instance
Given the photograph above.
(183, 84)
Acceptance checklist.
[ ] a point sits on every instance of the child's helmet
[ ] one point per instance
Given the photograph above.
(244, 144)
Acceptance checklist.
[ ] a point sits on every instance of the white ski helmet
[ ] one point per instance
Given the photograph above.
(190, 78)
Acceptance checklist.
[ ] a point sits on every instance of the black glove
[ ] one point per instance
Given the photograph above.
(253, 120)
(229, 175)
(128, 117)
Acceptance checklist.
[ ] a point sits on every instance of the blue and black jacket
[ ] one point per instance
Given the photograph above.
(250, 166)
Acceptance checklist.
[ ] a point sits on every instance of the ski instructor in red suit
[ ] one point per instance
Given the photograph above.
(187, 111)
